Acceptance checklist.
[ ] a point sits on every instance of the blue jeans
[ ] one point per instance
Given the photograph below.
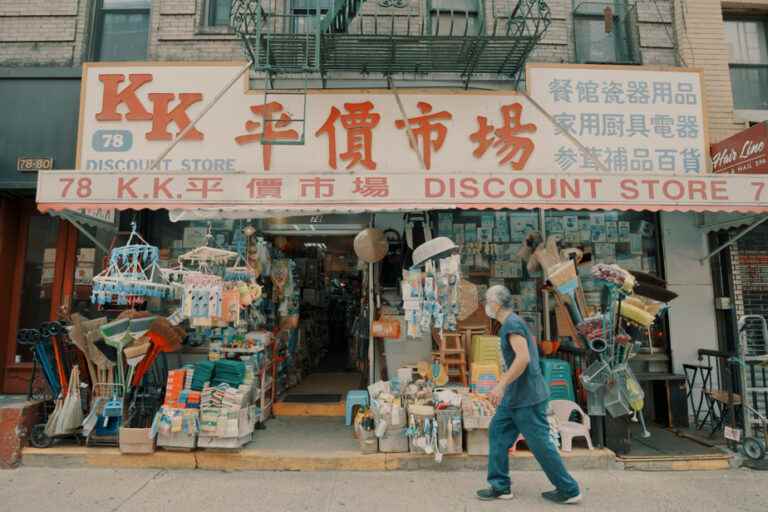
(531, 421)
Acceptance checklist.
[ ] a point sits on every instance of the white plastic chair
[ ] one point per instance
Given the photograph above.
(571, 429)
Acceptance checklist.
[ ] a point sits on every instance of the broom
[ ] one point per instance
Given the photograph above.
(134, 354)
(165, 338)
(564, 279)
(652, 287)
(116, 335)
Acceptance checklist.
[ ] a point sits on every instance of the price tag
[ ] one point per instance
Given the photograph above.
(733, 434)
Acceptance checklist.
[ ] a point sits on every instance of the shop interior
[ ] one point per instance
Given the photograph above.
(304, 336)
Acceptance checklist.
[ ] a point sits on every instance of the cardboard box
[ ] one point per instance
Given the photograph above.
(394, 441)
(477, 442)
(136, 441)
(177, 440)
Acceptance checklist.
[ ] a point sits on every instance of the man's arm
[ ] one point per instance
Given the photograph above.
(522, 358)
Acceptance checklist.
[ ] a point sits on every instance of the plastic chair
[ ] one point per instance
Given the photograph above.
(570, 429)
(559, 378)
(355, 397)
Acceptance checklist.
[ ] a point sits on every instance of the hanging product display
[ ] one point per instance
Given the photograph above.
(432, 297)
(133, 274)
(610, 383)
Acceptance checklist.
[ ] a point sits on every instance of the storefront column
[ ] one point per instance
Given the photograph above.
(691, 315)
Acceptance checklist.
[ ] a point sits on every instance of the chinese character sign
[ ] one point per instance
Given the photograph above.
(630, 121)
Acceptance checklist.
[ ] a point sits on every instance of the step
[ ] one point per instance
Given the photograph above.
(309, 409)
(250, 459)
(714, 462)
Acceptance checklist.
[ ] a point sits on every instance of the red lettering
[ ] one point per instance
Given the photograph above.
(162, 117)
(540, 189)
(469, 188)
(697, 187)
(113, 98)
(487, 188)
(526, 183)
(719, 190)
(124, 188)
(667, 185)
(628, 188)
(759, 187)
(570, 187)
(651, 187)
(593, 183)
(428, 187)
(162, 186)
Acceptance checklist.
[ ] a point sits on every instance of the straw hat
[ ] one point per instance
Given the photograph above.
(371, 245)
(435, 248)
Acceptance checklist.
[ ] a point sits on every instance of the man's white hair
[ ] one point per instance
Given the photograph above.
(500, 295)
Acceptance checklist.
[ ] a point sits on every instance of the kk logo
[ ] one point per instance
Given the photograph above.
(167, 107)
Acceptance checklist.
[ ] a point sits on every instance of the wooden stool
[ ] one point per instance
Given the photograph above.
(452, 355)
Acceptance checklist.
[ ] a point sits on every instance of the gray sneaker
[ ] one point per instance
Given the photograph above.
(561, 498)
(491, 494)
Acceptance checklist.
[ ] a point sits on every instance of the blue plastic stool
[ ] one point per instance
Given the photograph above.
(355, 397)
(559, 377)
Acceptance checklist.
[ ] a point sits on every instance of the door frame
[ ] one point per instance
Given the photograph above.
(15, 376)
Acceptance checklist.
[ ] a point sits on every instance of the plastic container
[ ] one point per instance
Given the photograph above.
(449, 430)
(595, 376)
(616, 402)
(394, 441)
(369, 443)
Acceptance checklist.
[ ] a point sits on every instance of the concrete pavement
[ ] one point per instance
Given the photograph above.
(106, 490)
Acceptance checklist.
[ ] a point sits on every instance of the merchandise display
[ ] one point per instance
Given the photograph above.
(199, 338)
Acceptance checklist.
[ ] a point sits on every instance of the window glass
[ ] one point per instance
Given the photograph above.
(124, 36)
(220, 11)
(454, 17)
(304, 11)
(39, 269)
(747, 42)
(593, 44)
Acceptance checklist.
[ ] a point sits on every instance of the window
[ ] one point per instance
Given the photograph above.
(122, 30)
(219, 12)
(454, 17)
(603, 33)
(748, 57)
(304, 14)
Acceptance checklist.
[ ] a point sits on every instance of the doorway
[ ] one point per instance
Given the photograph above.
(331, 291)
(39, 249)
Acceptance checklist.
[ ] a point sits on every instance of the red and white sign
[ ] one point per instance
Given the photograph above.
(61, 189)
(630, 119)
(743, 153)
(353, 148)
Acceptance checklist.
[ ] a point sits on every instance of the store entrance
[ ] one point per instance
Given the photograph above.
(328, 343)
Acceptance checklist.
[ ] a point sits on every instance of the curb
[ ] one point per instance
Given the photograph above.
(281, 460)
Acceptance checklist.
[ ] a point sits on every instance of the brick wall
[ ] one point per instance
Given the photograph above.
(42, 32)
(45, 33)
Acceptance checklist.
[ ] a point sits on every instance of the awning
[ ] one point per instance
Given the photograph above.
(249, 195)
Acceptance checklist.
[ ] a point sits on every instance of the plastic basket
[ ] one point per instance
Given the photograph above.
(596, 376)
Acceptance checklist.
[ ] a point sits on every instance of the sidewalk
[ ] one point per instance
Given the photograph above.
(85, 490)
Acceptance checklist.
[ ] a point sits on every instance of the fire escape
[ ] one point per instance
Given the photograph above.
(323, 37)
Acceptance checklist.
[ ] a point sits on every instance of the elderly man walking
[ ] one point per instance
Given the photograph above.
(521, 408)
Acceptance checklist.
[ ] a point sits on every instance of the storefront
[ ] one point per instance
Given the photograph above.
(38, 133)
(274, 190)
